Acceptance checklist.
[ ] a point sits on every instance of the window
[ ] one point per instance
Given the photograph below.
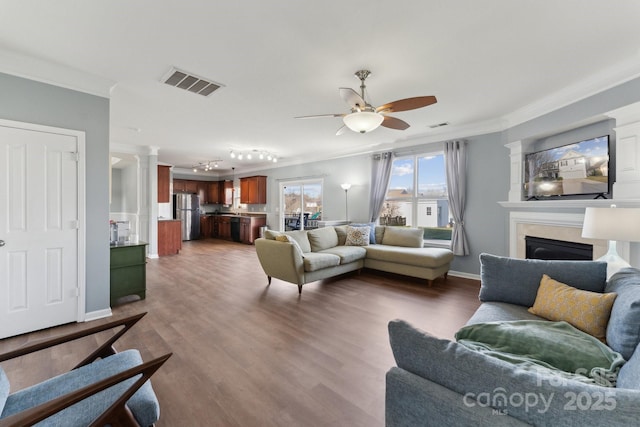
(417, 195)
(301, 203)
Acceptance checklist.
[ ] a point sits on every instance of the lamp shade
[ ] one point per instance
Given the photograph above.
(612, 224)
(345, 186)
(363, 121)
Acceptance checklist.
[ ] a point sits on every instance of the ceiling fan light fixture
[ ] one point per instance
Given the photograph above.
(363, 121)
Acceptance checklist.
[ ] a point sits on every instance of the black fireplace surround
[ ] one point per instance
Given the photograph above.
(549, 249)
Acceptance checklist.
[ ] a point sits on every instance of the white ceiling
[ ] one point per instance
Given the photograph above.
(490, 63)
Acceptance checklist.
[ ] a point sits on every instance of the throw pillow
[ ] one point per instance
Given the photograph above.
(322, 238)
(587, 311)
(403, 236)
(623, 331)
(271, 234)
(358, 236)
(341, 231)
(289, 239)
(372, 233)
(516, 281)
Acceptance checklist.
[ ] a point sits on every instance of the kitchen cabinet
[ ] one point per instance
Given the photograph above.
(203, 191)
(215, 226)
(250, 228)
(224, 227)
(164, 181)
(214, 192)
(253, 190)
(185, 186)
(169, 237)
(226, 192)
(206, 226)
(179, 185)
(128, 274)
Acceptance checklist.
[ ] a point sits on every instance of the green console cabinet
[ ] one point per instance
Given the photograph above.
(128, 271)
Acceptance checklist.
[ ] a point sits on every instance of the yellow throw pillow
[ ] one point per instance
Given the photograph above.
(587, 311)
(288, 239)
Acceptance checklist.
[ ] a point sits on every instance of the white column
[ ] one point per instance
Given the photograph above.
(152, 197)
(516, 161)
(627, 185)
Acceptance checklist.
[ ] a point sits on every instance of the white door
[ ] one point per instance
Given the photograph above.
(39, 227)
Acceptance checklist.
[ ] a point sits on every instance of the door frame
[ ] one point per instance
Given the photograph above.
(80, 137)
(301, 182)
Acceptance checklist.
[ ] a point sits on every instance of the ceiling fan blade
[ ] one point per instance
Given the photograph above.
(393, 123)
(352, 98)
(342, 130)
(319, 116)
(407, 104)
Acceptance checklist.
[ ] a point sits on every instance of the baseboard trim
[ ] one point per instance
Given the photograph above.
(99, 314)
(153, 256)
(464, 275)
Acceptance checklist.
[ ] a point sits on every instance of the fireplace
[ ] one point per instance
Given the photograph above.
(550, 249)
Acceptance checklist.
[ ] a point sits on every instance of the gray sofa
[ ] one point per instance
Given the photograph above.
(444, 383)
(321, 253)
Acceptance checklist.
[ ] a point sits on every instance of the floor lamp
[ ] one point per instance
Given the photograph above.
(346, 186)
(612, 224)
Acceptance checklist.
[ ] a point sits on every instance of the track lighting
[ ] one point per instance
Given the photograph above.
(253, 155)
(206, 166)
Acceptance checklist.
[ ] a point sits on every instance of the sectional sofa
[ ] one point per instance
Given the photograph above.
(470, 383)
(305, 256)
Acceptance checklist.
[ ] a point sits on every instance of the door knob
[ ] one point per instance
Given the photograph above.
(1, 243)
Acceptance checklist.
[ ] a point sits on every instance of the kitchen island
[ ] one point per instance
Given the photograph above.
(244, 228)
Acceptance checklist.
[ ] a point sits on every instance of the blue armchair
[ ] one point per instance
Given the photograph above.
(106, 388)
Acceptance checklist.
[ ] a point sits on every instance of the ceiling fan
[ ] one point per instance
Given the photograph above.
(364, 117)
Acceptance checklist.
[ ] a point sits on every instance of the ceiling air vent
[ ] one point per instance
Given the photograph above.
(439, 125)
(190, 82)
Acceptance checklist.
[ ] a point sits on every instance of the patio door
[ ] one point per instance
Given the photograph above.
(301, 204)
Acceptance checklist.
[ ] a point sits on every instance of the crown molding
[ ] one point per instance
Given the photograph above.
(597, 83)
(54, 74)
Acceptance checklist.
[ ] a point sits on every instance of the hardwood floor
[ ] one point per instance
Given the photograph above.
(245, 354)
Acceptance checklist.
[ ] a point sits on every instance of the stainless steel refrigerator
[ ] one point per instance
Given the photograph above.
(186, 208)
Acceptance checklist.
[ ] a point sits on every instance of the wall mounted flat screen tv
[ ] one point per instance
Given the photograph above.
(581, 168)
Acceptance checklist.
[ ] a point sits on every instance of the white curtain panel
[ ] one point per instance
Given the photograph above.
(455, 153)
(380, 174)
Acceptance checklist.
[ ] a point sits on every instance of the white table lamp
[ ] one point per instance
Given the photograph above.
(612, 224)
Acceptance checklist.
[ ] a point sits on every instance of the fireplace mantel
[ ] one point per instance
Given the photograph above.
(556, 205)
(562, 218)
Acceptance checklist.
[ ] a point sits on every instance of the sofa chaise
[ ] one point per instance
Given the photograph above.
(445, 383)
(305, 256)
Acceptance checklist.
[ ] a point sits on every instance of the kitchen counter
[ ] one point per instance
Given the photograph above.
(243, 214)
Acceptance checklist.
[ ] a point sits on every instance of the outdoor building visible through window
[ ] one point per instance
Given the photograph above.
(417, 195)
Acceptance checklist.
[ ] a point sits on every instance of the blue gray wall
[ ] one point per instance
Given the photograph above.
(355, 170)
(33, 102)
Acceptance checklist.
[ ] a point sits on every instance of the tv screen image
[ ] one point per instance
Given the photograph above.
(580, 168)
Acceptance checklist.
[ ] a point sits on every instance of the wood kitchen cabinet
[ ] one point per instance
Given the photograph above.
(169, 237)
(215, 226)
(185, 186)
(179, 185)
(226, 192)
(206, 226)
(253, 190)
(224, 227)
(214, 192)
(250, 228)
(203, 191)
(164, 181)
